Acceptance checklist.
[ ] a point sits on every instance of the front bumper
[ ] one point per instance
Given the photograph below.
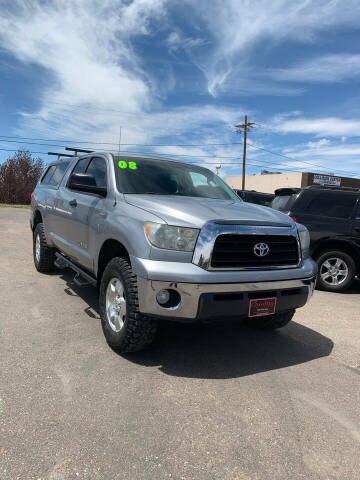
(210, 301)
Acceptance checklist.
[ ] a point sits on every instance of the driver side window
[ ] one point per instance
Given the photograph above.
(81, 165)
(97, 168)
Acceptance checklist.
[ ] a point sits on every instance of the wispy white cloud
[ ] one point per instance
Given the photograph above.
(93, 79)
(319, 127)
(176, 41)
(324, 156)
(324, 69)
(237, 26)
(84, 50)
(319, 143)
(339, 151)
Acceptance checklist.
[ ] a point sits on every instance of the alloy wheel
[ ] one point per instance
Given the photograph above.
(334, 271)
(37, 247)
(115, 304)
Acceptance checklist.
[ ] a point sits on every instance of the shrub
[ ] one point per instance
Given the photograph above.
(18, 177)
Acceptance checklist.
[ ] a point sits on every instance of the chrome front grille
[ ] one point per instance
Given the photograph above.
(228, 245)
(237, 251)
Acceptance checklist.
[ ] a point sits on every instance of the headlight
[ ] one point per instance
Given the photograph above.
(304, 237)
(170, 237)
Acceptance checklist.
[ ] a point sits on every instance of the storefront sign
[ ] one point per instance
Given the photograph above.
(327, 180)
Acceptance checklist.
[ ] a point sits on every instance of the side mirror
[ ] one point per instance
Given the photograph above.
(85, 182)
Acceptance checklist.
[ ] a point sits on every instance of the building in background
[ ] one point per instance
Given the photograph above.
(269, 182)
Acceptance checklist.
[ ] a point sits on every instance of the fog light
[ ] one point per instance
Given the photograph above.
(168, 298)
(163, 296)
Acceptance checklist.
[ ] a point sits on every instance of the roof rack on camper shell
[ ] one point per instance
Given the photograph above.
(59, 155)
(78, 150)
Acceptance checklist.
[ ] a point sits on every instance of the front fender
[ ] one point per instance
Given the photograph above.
(125, 224)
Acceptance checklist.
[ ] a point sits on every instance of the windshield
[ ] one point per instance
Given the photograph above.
(283, 202)
(162, 177)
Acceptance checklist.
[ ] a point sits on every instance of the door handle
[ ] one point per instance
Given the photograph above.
(73, 203)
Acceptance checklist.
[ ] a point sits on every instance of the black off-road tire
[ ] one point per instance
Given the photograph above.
(271, 322)
(45, 262)
(138, 331)
(350, 263)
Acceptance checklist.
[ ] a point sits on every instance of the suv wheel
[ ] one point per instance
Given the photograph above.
(336, 271)
(271, 322)
(43, 254)
(124, 327)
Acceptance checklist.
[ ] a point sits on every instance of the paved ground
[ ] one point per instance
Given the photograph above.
(206, 403)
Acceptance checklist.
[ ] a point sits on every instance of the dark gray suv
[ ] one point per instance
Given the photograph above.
(332, 215)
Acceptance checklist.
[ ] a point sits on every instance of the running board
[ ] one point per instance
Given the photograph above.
(65, 262)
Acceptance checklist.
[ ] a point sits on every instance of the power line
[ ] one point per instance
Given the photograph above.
(192, 156)
(12, 150)
(128, 151)
(239, 164)
(269, 162)
(251, 145)
(167, 145)
(266, 164)
(142, 153)
(202, 162)
(36, 143)
(294, 159)
(193, 161)
(269, 165)
(116, 144)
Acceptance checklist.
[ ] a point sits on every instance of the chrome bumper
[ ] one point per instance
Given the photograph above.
(190, 294)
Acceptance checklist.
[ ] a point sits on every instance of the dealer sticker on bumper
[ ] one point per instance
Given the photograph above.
(262, 306)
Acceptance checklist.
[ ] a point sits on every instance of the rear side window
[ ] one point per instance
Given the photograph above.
(49, 173)
(58, 174)
(337, 205)
(54, 174)
(284, 203)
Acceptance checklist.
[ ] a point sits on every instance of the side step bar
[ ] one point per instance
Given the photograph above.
(63, 262)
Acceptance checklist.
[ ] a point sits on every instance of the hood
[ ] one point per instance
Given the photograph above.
(195, 211)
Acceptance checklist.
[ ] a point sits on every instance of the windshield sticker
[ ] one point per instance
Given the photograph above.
(123, 164)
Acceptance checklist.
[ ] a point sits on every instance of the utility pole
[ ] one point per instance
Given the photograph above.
(246, 126)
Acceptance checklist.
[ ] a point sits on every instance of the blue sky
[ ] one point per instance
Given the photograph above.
(185, 72)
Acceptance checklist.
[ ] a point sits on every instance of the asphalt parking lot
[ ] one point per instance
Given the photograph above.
(207, 402)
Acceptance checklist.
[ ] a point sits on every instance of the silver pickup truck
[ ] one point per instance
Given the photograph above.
(166, 239)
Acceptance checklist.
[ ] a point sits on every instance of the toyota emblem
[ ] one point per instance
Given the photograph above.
(261, 249)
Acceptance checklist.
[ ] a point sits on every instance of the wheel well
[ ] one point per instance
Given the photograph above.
(110, 249)
(337, 245)
(37, 219)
